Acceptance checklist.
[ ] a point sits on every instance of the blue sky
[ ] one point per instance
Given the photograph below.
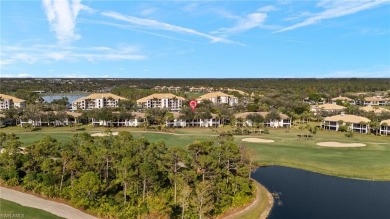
(195, 39)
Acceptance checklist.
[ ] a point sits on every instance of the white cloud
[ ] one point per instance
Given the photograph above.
(333, 9)
(62, 15)
(133, 28)
(149, 23)
(267, 8)
(49, 53)
(226, 14)
(251, 21)
(20, 75)
(148, 11)
(57, 55)
(4, 62)
(300, 15)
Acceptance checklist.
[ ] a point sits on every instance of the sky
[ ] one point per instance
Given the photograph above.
(195, 39)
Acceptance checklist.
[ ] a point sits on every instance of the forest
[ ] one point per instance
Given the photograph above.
(126, 177)
(303, 86)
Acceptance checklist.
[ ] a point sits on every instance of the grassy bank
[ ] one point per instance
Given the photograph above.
(10, 209)
(259, 209)
(371, 162)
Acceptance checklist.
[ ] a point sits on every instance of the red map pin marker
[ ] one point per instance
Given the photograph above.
(193, 104)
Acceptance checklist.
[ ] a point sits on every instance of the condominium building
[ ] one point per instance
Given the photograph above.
(97, 101)
(385, 127)
(330, 108)
(8, 102)
(374, 109)
(161, 100)
(282, 121)
(376, 101)
(353, 123)
(219, 97)
(343, 100)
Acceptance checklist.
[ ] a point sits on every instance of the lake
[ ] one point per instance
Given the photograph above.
(71, 97)
(308, 195)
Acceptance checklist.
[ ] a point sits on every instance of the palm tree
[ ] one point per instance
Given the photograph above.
(256, 119)
(375, 125)
(272, 116)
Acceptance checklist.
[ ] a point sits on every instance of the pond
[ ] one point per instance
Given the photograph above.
(71, 97)
(303, 194)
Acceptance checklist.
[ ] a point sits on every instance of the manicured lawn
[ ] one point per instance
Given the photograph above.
(10, 209)
(64, 134)
(371, 162)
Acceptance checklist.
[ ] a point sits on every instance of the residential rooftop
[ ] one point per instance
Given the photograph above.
(347, 118)
(159, 96)
(14, 99)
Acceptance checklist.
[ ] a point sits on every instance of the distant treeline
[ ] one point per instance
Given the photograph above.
(331, 86)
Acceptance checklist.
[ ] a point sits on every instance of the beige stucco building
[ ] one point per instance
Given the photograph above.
(8, 102)
(97, 101)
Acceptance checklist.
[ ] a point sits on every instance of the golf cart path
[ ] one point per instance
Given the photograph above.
(56, 208)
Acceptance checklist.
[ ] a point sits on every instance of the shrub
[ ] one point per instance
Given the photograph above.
(343, 128)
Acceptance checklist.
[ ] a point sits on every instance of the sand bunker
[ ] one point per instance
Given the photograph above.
(102, 134)
(340, 145)
(257, 140)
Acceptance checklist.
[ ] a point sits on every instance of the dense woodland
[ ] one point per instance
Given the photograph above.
(332, 87)
(124, 177)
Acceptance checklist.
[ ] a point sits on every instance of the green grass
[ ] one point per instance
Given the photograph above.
(256, 210)
(10, 209)
(371, 162)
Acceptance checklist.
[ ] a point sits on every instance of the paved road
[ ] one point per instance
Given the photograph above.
(56, 208)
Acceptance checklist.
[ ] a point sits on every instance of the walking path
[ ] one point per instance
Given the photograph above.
(56, 208)
(259, 208)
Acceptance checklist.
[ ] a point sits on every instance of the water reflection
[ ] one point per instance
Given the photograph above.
(303, 194)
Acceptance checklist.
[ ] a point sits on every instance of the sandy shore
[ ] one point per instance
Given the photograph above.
(56, 208)
(340, 145)
(257, 140)
(102, 134)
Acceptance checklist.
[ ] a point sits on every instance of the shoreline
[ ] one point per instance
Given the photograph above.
(259, 208)
(323, 172)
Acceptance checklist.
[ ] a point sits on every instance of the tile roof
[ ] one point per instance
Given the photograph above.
(138, 115)
(376, 110)
(74, 114)
(347, 118)
(100, 95)
(159, 96)
(386, 121)
(342, 98)
(213, 95)
(328, 107)
(263, 114)
(374, 99)
(14, 99)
